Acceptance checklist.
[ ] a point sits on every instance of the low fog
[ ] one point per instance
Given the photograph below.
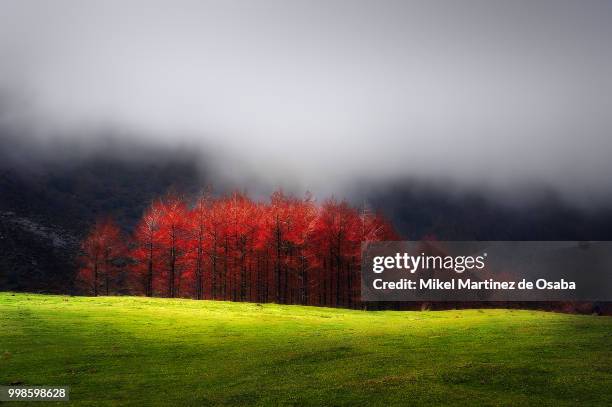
(325, 95)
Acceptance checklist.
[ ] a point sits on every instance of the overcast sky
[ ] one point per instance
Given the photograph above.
(321, 94)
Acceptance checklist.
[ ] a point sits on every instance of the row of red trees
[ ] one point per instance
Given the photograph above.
(287, 250)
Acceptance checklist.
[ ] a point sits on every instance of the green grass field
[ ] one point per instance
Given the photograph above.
(139, 351)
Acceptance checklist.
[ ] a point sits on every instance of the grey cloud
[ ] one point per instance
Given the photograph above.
(320, 94)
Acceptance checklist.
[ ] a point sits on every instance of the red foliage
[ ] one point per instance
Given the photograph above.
(289, 250)
(147, 250)
(101, 253)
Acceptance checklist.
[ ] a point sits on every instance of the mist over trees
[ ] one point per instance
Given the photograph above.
(288, 250)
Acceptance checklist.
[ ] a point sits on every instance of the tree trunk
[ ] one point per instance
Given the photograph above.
(172, 272)
(95, 279)
(149, 282)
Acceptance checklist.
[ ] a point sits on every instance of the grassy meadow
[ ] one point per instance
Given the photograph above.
(143, 351)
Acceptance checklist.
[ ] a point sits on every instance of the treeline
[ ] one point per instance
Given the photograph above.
(287, 250)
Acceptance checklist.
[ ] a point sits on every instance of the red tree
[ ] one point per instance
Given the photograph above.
(336, 242)
(198, 244)
(146, 252)
(173, 238)
(101, 251)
